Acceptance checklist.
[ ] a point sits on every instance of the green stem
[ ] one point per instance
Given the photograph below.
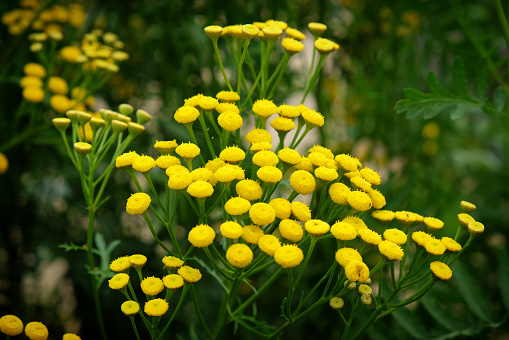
(198, 312)
(181, 301)
(154, 234)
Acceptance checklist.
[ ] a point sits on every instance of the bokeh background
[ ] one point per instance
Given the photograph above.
(427, 166)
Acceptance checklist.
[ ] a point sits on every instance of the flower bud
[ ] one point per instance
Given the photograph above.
(142, 116)
(118, 126)
(82, 148)
(125, 109)
(135, 129)
(61, 123)
(336, 303)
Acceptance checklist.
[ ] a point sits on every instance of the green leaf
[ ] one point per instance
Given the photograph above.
(410, 323)
(459, 111)
(460, 78)
(435, 86)
(503, 275)
(471, 293)
(481, 80)
(70, 246)
(499, 99)
(442, 315)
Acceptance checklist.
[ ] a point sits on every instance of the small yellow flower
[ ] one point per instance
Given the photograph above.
(370, 236)
(377, 199)
(467, 207)
(61, 123)
(277, 23)
(440, 270)
(70, 336)
(179, 180)
(433, 223)
(313, 118)
(58, 85)
(224, 107)
(231, 230)
(118, 281)
(130, 308)
(36, 70)
(200, 236)
(343, 231)
(269, 244)
(188, 150)
(288, 256)
(338, 193)
(189, 274)
(214, 164)
(137, 260)
(356, 222)
(434, 246)
(173, 281)
(232, 154)
(258, 136)
(264, 108)
(70, 53)
(265, 158)
(186, 114)
(359, 200)
(249, 189)
(172, 262)
(230, 120)
(60, 103)
(365, 289)
(370, 175)
(291, 230)
(292, 45)
(262, 213)
(282, 206)
(395, 235)
(201, 174)
(408, 217)
(302, 182)
(272, 33)
(420, 237)
(465, 219)
(144, 163)
(282, 124)
(317, 28)
(336, 303)
(289, 156)
(288, 111)
(29, 81)
(165, 147)
(269, 174)
(11, 325)
(237, 206)
(165, 161)
(356, 271)
(251, 233)
(36, 331)
(326, 174)
(255, 147)
(345, 255)
(193, 101)
(156, 307)
(317, 227)
(450, 244)
(200, 189)
(325, 46)
(228, 96)
(138, 203)
(213, 31)
(152, 285)
(239, 255)
(33, 94)
(390, 250)
(208, 103)
(475, 228)
(301, 211)
(347, 162)
(82, 148)
(121, 264)
(317, 159)
(383, 216)
(361, 183)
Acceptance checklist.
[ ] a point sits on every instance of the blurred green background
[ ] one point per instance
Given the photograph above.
(427, 166)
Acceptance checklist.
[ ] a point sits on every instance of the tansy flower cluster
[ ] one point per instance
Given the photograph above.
(11, 325)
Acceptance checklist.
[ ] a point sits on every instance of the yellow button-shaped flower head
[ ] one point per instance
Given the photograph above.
(28, 81)
(119, 281)
(390, 250)
(289, 156)
(313, 118)
(172, 262)
(292, 45)
(338, 193)
(269, 174)
(36, 331)
(137, 260)
(370, 175)
(282, 206)
(440, 270)
(201, 236)
(317, 227)
(288, 111)
(144, 163)
(130, 308)
(237, 206)
(269, 244)
(475, 228)
(173, 281)
(291, 230)
(165, 161)
(33, 94)
(277, 23)
(249, 189)
(317, 159)
(255, 147)
(152, 285)
(186, 114)
(213, 31)
(301, 211)
(383, 216)
(230, 120)
(346, 255)
(450, 244)
(359, 200)
(347, 162)
(60, 103)
(357, 222)
(239, 255)
(71, 53)
(324, 46)
(288, 256)
(165, 147)
(156, 307)
(188, 150)
(36, 70)
(228, 97)
(395, 235)
(377, 198)
(434, 246)
(208, 103)
(231, 230)
(433, 223)
(370, 236)
(251, 233)
(265, 158)
(264, 108)
(357, 271)
(326, 174)
(302, 182)
(58, 85)
(179, 180)
(200, 189)
(317, 28)
(258, 136)
(189, 274)
(262, 213)
(420, 237)
(467, 207)
(282, 124)
(121, 264)
(11, 325)
(138, 203)
(343, 231)
(232, 154)
(224, 107)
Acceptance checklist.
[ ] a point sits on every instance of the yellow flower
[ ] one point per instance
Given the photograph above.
(317, 28)
(186, 114)
(475, 228)
(269, 244)
(276, 23)
(201, 174)
(291, 230)
(165, 161)
(420, 237)
(345, 255)
(317, 159)
(200, 236)
(440, 270)
(172, 262)
(433, 223)
(465, 219)
(130, 308)
(188, 150)
(213, 31)
(11, 325)
(152, 285)
(317, 227)
(200, 189)
(262, 214)
(336, 303)
(269, 174)
(36, 70)
(377, 199)
(292, 45)
(70, 336)
(272, 33)
(282, 124)
(407, 217)
(179, 180)
(288, 111)
(228, 173)
(313, 118)
(338, 193)
(228, 96)
(359, 200)
(390, 250)
(194, 100)
(118, 281)
(121, 264)
(370, 236)
(395, 235)
(36, 331)
(467, 207)
(189, 274)
(239, 255)
(173, 281)
(370, 175)
(251, 233)
(434, 246)
(156, 307)
(450, 244)
(355, 221)
(29, 81)
(258, 136)
(324, 46)
(224, 107)
(265, 158)
(264, 108)
(356, 271)
(343, 231)
(138, 260)
(288, 256)
(365, 289)
(231, 229)
(33, 94)
(165, 147)
(282, 206)
(322, 150)
(232, 154)
(208, 103)
(230, 120)
(4, 164)
(58, 85)
(326, 174)
(255, 147)
(237, 206)
(383, 216)
(289, 156)
(70, 53)
(249, 189)
(347, 162)
(214, 164)
(361, 183)
(302, 182)
(144, 163)
(301, 211)
(138, 203)
(82, 148)
(60, 103)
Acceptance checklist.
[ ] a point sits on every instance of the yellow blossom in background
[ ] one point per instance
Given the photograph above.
(70, 336)
(440, 270)
(11, 325)
(58, 85)
(121, 264)
(36, 331)
(118, 281)
(34, 94)
(138, 203)
(239, 255)
(200, 236)
(130, 308)
(189, 274)
(4, 164)
(34, 69)
(156, 307)
(269, 244)
(288, 256)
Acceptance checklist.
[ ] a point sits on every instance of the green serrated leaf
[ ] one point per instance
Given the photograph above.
(435, 86)
(481, 80)
(503, 276)
(410, 323)
(416, 94)
(471, 293)
(460, 78)
(499, 99)
(459, 111)
(283, 307)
